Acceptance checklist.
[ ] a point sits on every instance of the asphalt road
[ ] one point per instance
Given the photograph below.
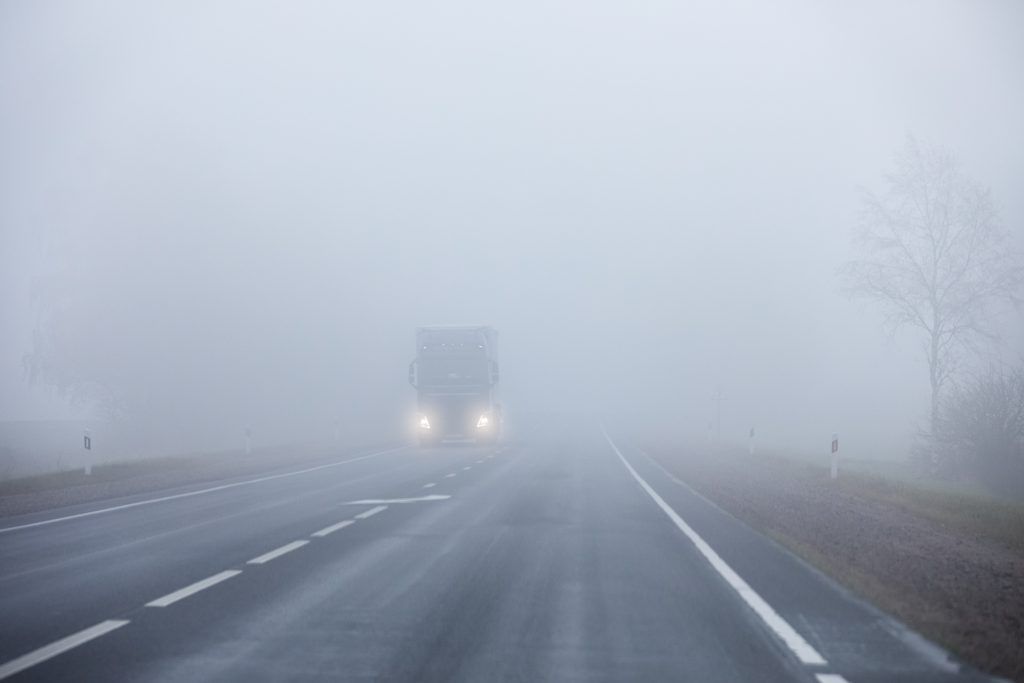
(555, 557)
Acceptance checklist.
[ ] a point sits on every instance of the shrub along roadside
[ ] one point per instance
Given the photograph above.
(979, 432)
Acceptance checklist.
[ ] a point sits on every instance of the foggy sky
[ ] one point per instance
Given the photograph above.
(254, 204)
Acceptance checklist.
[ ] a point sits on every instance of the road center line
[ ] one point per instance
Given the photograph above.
(332, 528)
(394, 501)
(800, 647)
(277, 552)
(183, 593)
(59, 646)
(188, 494)
(371, 512)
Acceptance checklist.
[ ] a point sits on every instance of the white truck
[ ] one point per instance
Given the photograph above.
(455, 374)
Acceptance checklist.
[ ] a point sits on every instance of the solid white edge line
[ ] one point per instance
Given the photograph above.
(183, 593)
(332, 528)
(59, 646)
(793, 640)
(188, 494)
(277, 552)
(371, 512)
(830, 678)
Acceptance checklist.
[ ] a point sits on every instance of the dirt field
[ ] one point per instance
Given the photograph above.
(950, 566)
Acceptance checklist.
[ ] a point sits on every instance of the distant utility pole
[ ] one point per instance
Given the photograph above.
(717, 398)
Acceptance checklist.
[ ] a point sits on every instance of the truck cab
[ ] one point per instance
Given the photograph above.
(455, 374)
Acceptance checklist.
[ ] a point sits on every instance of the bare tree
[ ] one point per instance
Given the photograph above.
(935, 258)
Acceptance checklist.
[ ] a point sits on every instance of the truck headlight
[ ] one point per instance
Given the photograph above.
(424, 422)
(483, 422)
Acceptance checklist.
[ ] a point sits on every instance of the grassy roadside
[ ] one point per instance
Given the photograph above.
(102, 473)
(973, 514)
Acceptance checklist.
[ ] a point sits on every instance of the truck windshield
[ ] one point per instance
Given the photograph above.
(441, 371)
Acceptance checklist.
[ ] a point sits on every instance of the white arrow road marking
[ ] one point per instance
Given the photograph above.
(59, 646)
(398, 501)
(172, 598)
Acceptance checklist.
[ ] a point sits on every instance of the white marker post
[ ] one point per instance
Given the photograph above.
(751, 441)
(87, 445)
(835, 456)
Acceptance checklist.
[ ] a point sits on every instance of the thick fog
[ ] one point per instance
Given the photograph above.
(236, 213)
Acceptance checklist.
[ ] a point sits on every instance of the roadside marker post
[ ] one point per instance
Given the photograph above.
(835, 456)
(87, 445)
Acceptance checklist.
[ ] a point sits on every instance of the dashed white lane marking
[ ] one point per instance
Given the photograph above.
(371, 512)
(800, 647)
(59, 646)
(466, 468)
(449, 476)
(277, 552)
(390, 501)
(332, 528)
(430, 485)
(831, 678)
(479, 462)
(188, 494)
(183, 593)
